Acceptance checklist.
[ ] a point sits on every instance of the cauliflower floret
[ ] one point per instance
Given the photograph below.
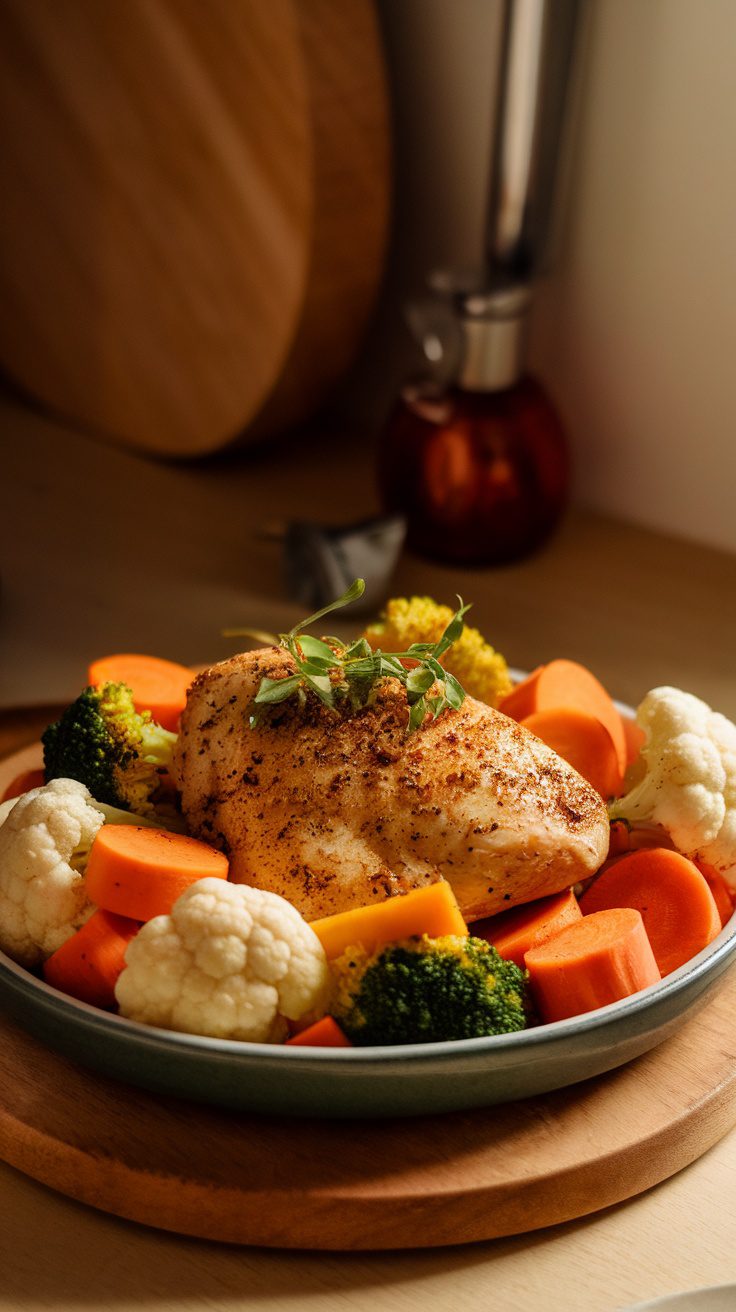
(689, 787)
(45, 839)
(230, 961)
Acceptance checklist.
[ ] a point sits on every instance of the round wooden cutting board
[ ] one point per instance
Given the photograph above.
(381, 1184)
(195, 201)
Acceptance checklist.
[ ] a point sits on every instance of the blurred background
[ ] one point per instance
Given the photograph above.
(214, 219)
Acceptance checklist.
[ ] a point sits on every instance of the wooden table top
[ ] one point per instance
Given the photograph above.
(166, 557)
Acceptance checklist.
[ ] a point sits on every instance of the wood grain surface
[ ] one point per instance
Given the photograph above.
(422, 1182)
(406, 1183)
(194, 212)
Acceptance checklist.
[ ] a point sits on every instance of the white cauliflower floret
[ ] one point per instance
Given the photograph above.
(689, 787)
(45, 840)
(230, 961)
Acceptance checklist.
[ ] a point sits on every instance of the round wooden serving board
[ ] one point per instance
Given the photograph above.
(380, 1184)
(369, 1184)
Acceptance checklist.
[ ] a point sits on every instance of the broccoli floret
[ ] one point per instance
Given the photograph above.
(102, 741)
(426, 990)
(480, 669)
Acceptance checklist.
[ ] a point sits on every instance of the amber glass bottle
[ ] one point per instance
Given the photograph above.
(479, 469)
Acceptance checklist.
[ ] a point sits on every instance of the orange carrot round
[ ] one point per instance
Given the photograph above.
(87, 966)
(324, 1033)
(581, 740)
(599, 959)
(22, 783)
(513, 933)
(563, 683)
(141, 872)
(678, 909)
(521, 701)
(158, 686)
(722, 895)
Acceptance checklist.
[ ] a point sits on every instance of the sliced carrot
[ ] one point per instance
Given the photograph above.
(678, 909)
(581, 740)
(599, 959)
(432, 910)
(158, 686)
(22, 783)
(512, 933)
(634, 738)
(564, 683)
(722, 895)
(521, 701)
(324, 1033)
(87, 966)
(141, 872)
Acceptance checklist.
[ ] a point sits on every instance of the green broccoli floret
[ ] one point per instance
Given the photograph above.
(102, 741)
(426, 990)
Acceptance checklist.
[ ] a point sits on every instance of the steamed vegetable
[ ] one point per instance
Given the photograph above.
(566, 684)
(513, 933)
(229, 961)
(480, 669)
(158, 686)
(88, 965)
(689, 781)
(427, 990)
(45, 841)
(678, 909)
(102, 741)
(584, 742)
(140, 873)
(602, 958)
(324, 1033)
(432, 910)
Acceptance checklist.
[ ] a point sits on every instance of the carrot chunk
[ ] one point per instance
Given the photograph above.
(564, 683)
(432, 910)
(678, 909)
(325, 1033)
(521, 701)
(158, 686)
(722, 895)
(88, 964)
(515, 932)
(140, 872)
(599, 959)
(22, 783)
(584, 742)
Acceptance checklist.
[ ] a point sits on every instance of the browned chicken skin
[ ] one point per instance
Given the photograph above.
(332, 810)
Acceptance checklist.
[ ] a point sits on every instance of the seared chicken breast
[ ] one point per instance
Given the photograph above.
(332, 809)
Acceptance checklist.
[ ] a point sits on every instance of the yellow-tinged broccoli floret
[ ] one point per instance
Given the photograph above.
(116, 751)
(427, 990)
(480, 669)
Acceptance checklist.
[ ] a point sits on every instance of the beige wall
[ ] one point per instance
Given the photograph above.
(635, 328)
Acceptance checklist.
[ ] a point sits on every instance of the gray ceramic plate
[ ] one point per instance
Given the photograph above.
(365, 1081)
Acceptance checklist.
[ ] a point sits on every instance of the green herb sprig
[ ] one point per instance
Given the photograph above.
(334, 670)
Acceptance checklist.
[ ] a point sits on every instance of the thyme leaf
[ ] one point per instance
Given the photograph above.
(334, 670)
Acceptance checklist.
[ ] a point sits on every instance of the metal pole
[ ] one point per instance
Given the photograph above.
(538, 47)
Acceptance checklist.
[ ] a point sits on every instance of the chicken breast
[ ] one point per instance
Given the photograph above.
(332, 810)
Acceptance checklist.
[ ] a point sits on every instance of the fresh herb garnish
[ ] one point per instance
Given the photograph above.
(337, 671)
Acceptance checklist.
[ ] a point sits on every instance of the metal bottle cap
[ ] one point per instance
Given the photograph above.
(493, 326)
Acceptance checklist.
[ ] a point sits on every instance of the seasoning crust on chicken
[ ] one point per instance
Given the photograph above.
(331, 809)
